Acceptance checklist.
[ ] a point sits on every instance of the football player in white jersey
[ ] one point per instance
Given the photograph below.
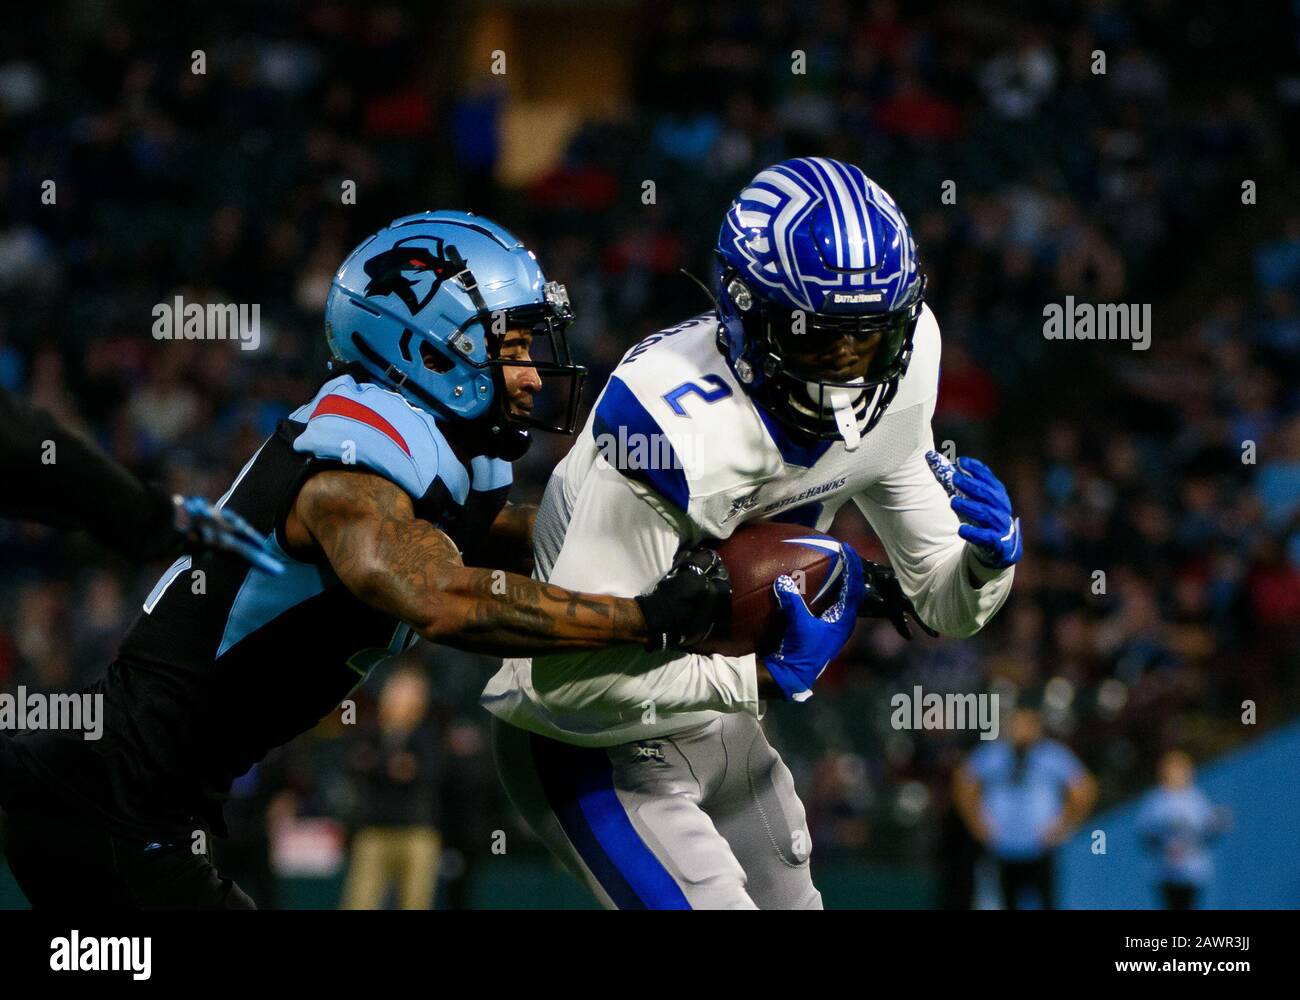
(813, 384)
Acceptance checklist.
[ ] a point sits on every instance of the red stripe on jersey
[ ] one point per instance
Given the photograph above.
(341, 406)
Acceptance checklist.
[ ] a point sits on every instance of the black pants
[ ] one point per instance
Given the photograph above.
(1016, 876)
(67, 864)
(1179, 896)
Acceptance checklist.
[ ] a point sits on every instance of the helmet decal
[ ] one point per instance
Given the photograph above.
(860, 243)
(405, 268)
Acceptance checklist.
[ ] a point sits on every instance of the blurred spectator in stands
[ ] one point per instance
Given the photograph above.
(1022, 797)
(1178, 823)
(396, 765)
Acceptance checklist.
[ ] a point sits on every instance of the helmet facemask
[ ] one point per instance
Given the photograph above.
(548, 355)
(782, 370)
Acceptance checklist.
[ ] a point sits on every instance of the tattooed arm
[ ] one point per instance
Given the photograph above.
(366, 528)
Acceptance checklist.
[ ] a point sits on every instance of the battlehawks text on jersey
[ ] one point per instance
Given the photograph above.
(211, 677)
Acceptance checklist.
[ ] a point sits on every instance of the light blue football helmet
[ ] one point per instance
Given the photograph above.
(423, 306)
(812, 250)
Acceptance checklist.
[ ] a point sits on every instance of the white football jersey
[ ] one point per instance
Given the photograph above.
(675, 452)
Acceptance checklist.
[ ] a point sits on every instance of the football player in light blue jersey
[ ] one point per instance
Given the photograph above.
(813, 383)
(384, 500)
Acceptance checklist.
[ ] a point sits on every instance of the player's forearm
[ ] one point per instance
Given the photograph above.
(934, 565)
(505, 614)
(957, 596)
(411, 570)
(419, 579)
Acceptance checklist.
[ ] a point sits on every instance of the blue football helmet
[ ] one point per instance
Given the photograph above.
(810, 252)
(423, 307)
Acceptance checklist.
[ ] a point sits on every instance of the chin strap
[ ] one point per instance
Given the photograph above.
(846, 418)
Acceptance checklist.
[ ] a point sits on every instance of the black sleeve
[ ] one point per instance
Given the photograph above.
(80, 487)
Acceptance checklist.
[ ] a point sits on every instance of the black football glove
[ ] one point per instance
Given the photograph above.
(885, 599)
(692, 601)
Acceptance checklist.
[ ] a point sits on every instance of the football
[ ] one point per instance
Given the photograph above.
(755, 555)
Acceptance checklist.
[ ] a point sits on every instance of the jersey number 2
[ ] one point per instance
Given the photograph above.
(719, 391)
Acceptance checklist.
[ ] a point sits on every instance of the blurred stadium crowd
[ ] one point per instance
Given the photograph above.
(1125, 186)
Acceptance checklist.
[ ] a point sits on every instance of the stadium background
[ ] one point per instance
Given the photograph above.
(1126, 186)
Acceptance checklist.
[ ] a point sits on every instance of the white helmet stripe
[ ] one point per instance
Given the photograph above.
(768, 198)
(829, 197)
(861, 206)
(852, 221)
(799, 204)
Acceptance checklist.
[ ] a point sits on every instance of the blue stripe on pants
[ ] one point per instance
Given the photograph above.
(579, 785)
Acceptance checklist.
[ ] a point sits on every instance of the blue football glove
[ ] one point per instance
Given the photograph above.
(204, 526)
(810, 643)
(981, 501)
